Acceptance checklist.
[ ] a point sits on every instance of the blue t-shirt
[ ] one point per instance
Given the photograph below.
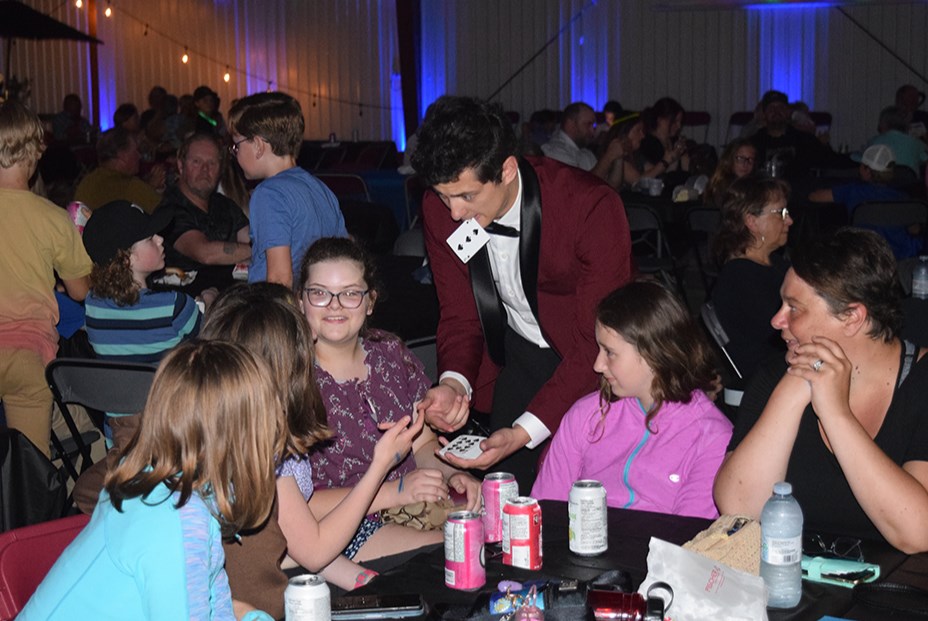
(292, 209)
(853, 194)
(148, 561)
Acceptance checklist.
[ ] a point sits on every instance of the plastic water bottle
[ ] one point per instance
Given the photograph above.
(920, 279)
(781, 547)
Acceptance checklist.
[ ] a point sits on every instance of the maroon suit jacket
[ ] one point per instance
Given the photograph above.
(585, 253)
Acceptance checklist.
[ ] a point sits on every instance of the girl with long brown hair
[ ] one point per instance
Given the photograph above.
(650, 434)
(200, 467)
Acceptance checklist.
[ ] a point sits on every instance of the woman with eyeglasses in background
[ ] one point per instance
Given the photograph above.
(842, 417)
(368, 376)
(754, 226)
(737, 162)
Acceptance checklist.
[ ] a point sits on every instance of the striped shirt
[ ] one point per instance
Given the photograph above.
(143, 332)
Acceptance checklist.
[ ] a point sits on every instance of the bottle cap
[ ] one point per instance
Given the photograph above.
(783, 488)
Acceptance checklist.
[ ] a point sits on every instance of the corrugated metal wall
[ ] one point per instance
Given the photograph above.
(330, 55)
(709, 59)
(344, 52)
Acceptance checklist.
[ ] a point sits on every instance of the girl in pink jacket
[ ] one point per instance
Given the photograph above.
(650, 434)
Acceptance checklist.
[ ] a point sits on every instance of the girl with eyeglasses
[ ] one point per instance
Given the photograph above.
(737, 161)
(366, 376)
(754, 226)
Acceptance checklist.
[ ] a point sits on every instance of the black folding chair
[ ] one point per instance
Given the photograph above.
(650, 248)
(702, 223)
(100, 386)
(890, 213)
(733, 392)
(424, 349)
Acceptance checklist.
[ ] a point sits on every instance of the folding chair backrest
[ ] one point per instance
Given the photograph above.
(697, 118)
(424, 349)
(704, 219)
(711, 320)
(702, 224)
(26, 555)
(645, 221)
(345, 186)
(890, 213)
(736, 122)
(115, 387)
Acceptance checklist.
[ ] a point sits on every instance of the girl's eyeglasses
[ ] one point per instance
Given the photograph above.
(321, 298)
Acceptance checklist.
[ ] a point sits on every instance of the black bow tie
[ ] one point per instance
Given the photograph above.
(495, 228)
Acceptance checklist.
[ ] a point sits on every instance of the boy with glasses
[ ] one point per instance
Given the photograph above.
(290, 209)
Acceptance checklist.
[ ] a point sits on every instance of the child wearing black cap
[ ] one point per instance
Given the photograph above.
(125, 319)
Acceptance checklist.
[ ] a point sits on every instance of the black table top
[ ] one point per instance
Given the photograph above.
(629, 535)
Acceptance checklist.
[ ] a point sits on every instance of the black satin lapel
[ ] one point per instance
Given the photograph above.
(530, 239)
(489, 306)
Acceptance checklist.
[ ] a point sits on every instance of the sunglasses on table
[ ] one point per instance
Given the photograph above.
(847, 548)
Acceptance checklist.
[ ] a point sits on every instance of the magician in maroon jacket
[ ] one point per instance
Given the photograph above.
(516, 331)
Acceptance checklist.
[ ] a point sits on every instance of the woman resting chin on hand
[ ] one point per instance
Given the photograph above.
(845, 423)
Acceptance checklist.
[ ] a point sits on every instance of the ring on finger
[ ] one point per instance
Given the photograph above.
(817, 365)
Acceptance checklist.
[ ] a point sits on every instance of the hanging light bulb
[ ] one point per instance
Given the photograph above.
(109, 10)
(184, 58)
(79, 3)
(226, 76)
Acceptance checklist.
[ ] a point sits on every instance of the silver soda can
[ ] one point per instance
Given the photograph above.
(498, 488)
(586, 508)
(464, 556)
(307, 598)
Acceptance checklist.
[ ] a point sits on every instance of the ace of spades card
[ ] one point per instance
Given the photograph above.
(468, 239)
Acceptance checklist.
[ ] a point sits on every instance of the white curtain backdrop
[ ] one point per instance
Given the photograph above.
(340, 58)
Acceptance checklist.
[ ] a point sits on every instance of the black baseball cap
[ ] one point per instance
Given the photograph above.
(203, 91)
(119, 224)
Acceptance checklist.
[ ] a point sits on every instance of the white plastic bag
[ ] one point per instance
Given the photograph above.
(703, 588)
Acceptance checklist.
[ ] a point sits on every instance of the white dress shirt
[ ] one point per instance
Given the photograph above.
(507, 276)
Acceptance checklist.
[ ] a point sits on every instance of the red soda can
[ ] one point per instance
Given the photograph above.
(498, 488)
(522, 533)
(464, 561)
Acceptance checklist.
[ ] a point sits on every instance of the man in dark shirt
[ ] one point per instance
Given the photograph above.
(208, 228)
(796, 152)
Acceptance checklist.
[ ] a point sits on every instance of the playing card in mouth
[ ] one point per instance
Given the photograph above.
(468, 239)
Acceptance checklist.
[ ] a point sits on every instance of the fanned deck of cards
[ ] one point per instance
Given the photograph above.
(468, 239)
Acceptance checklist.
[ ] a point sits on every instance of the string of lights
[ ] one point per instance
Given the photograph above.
(189, 53)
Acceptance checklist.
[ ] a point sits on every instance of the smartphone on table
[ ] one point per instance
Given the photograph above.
(387, 606)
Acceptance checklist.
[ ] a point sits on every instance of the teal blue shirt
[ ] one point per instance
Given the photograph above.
(149, 561)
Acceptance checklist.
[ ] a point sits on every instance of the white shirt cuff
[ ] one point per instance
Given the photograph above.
(460, 378)
(536, 429)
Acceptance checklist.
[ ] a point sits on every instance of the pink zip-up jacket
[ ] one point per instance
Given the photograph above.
(669, 469)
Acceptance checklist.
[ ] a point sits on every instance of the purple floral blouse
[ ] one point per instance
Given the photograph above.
(395, 381)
